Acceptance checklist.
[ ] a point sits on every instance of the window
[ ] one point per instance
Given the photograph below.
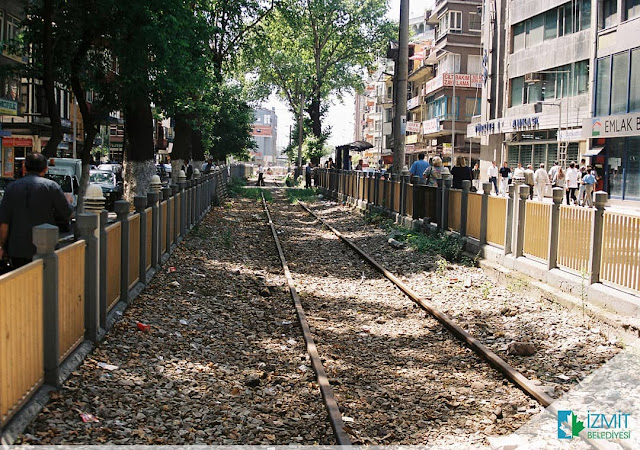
(565, 20)
(10, 88)
(474, 64)
(620, 83)
(471, 107)
(609, 13)
(535, 30)
(632, 9)
(450, 63)
(549, 86)
(475, 22)
(551, 24)
(634, 91)
(436, 108)
(456, 108)
(534, 93)
(518, 37)
(581, 77)
(455, 21)
(443, 24)
(585, 14)
(603, 86)
(12, 27)
(517, 87)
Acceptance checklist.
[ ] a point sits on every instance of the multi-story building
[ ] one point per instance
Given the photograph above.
(614, 129)
(451, 97)
(265, 132)
(536, 84)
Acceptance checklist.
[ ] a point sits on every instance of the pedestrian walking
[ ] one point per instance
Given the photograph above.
(505, 173)
(589, 182)
(541, 180)
(209, 166)
(418, 167)
(559, 179)
(359, 166)
(492, 173)
(528, 179)
(581, 173)
(307, 176)
(30, 201)
(188, 169)
(572, 183)
(552, 173)
(475, 176)
(435, 172)
(260, 175)
(460, 172)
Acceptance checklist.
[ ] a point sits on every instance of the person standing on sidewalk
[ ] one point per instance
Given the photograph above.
(541, 179)
(528, 179)
(589, 181)
(552, 173)
(475, 176)
(30, 201)
(307, 176)
(505, 171)
(418, 168)
(572, 183)
(492, 173)
(260, 175)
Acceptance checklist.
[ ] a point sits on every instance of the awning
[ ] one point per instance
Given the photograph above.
(595, 151)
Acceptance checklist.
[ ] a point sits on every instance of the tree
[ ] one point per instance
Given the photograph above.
(321, 47)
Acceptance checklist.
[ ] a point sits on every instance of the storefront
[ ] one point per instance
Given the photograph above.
(616, 150)
(14, 149)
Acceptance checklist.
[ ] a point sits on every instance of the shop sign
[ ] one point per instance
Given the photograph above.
(411, 139)
(431, 126)
(413, 127)
(66, 137)
(498, 126)
(8, 107)
(571, 135)
(116, 145)
(17, 142)
(463, 80)
(611, 126)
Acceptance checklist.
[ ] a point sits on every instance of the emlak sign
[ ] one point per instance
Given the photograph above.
(622, 125)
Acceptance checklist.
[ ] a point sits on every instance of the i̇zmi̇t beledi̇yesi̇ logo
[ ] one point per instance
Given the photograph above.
(598, 425)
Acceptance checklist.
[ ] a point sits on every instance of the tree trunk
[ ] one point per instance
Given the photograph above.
(182, 145)
(315, 115)
(48, 80)
(139, 165)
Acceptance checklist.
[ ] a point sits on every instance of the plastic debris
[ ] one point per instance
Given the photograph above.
(143, 326)
(107, 366)
(171, 269)
(183, 322)
(174, 284)
(88, 418)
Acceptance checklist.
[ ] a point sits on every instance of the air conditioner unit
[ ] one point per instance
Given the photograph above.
(532, 77)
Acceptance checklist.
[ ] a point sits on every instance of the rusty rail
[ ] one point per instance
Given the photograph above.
(335, 417)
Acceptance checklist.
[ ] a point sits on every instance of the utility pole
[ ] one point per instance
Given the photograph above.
(400, 95)
(300, 135)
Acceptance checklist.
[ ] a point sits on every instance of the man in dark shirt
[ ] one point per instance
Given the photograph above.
(30, 201)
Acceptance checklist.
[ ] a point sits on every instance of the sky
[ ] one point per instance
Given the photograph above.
(341, 114)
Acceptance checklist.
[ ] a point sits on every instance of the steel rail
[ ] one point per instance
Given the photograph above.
(335, 417)
(522, 382)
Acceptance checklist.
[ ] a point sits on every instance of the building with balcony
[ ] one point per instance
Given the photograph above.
(452, 95)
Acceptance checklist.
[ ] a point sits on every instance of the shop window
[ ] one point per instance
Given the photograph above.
(539, 156)
(634, 89)
(525, 155)
(632, 9)
(514, 156)
(619, 83)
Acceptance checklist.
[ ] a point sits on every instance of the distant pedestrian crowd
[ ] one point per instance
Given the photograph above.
(581, 178)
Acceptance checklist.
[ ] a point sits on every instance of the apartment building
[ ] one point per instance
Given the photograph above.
(452, 96)
(614, 129)
(537, 81)
(265, 132)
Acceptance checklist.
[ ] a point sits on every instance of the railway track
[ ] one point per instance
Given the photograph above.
(466, 341)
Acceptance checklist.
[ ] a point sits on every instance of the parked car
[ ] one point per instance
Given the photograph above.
(112, 189)
(113, 167)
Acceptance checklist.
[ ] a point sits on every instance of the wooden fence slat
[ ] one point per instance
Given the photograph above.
(114, 250)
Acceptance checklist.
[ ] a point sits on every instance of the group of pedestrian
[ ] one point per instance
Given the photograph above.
(582, 179)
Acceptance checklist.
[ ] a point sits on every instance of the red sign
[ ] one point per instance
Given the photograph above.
(17, 142)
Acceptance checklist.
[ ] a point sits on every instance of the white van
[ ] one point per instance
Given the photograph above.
(66, 172)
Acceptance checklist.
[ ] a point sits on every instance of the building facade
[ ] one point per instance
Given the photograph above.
(265, 133)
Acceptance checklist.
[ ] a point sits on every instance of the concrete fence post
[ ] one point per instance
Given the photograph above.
(140, 203)
(439, 195)
(166, 195)
(152, 201)
(523, 193)
(88, 227)
(122, 209)
(554, 229)
(182, 210)
(447, 182)
(508, 229)
(595, 256)
(484, 212)
(464, 201)
(404, 185)
(45, 238)
(104, 218)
